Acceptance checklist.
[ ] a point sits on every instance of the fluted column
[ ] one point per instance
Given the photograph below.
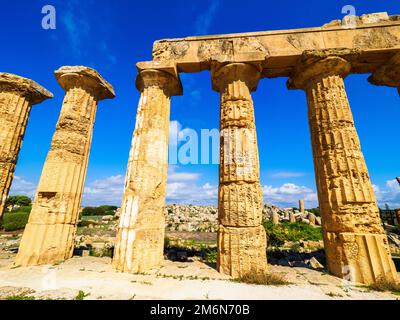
(241, 237)
(49, 235)
(388, 74)
(140, 240)
(17, 95)
(356, 245)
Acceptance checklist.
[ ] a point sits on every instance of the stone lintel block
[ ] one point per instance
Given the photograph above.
(388, 74)
(139, 250)
(45, 244)
(240, 204)
(24, 87)
(163, 73)
(80, 76)
(363, 258)
(242, 251)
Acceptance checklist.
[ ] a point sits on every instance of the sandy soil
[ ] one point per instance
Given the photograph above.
(175, 280)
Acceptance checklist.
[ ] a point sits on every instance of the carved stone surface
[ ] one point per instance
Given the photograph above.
(49, 235)
(354, 237)
(375, 36)
(242, 239)
(140, 240)
(388, 74)
(17, 95)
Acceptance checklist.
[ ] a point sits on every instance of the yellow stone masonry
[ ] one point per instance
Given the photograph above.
(17, 95)
(140, 239)
(49, 235)
(241, 237)
(355, 242)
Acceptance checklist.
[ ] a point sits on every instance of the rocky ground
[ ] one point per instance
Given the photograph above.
(94, 278)
(189, 270)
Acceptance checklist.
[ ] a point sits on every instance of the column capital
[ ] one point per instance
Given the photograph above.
(225, 73)
(388, 74)
(27, 88)
(162, 79)
(317, 64)
(83, 77)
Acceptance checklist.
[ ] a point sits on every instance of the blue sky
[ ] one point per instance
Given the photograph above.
(111, 36)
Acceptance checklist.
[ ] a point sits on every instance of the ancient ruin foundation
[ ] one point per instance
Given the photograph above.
(315, 61)
(17, 95)
(49, 234)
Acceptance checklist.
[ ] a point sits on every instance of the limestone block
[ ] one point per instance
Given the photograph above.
(240, 204)
(363, 258)
(275, 218)
(241, 250)
(139, 250)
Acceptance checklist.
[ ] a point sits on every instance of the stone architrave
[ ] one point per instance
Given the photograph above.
(241, 237)
(355, 243)
(388, 74)
(140, 240)
(49, 234)
(17, 95)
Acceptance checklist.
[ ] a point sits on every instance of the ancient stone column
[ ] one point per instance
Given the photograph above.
(388, 74)
(355, 242)
(398, 215)
(17, 95)
(140, 240)
(241, 237)
(301, 206)
(49, 235)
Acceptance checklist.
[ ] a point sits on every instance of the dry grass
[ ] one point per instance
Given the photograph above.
(384, 285)
(266, 279)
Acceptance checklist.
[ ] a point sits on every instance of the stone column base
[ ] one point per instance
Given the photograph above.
(139, 250)
(361, 258)
(51, 243)
(242, 250)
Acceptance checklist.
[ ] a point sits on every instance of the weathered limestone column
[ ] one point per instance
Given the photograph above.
(49, 235)
(301, 206)
(241, 237)
(140, 241)
(388, 74)
(17, 95)
(355, 242)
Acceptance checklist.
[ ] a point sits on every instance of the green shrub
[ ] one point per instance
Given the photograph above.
(15, 220)
(315, 211)
(211, 256)
(22, 201)
(99, 211)
(26, 209)
(280, 233)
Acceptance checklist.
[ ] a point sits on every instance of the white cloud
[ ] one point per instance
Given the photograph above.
(182, 188)
(104, 191)
(203, 21)
(390, 194)
(22, 187)
(289, 194)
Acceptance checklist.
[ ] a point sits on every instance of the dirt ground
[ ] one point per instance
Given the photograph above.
(96, 280)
